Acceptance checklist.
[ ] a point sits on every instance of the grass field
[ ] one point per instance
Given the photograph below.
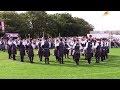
(109, 69)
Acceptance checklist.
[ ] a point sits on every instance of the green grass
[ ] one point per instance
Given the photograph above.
(109, 69)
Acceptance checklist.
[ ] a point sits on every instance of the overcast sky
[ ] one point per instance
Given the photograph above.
(96, 18)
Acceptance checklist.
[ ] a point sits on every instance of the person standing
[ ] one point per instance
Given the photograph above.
(46, 51)
(30, 53)
(9, 51)
(57, 54)
(40, 51)
(97, 51)
(14, 51)
(77, 54)
(89, 51)
(107, 48)
(61, 49)
(22, 51)
(103, 51)
(66, 50)
(9, 47)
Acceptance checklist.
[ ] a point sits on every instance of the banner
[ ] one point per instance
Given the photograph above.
(3, 26)
(12, 35)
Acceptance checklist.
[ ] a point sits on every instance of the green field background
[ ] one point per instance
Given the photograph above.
(109, 69)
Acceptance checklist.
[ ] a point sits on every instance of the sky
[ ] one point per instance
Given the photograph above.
(110, 22)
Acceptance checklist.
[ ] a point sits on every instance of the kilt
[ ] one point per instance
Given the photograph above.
(2, 47)
(46, 52)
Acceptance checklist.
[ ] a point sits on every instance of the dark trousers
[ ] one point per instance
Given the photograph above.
(85, 56)
(22, 58)
(14, 57)
(97, 59)
(40, 57)
(67, 55)
(89, 60)
(106, 55)
(71, 52)
(9, 55)
(31, 59)
(46, 60)
(61, 60)
(102, 57)
(57, 58)
(77, 61)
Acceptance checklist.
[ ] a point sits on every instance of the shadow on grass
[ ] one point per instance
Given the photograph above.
(112, 61)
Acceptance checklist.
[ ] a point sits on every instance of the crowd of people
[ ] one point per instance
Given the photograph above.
(115, 43)
(63, 48)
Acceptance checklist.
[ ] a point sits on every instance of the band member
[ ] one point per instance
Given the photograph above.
(71, 44)
(107, 48)
(103, 51)
(14, 51)
(3, 45)
(37, 45)
(40, 51)
(83, 44)
(57, 54)
(66, 51)
(30, 53)
(77, 54)
(33, 44)
(89, 51)
(61, 49)
(46, 51)
(22, 51)
(27, 45)
(9, 51)
(98, 51)
(56, 44)
(18, 44)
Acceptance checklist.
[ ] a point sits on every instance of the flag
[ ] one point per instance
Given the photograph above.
(106, 13)
(3, 26)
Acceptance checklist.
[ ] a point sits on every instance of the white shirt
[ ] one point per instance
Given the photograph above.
(87, 45)
(37, 42)
(0, 42)
(42, 43)
(9, 42)
(15, 43)
(24, 43)
(18, 42)
(49, 44)
(101, 44)
(106, 43)
(56, 44)
(95, 46)
(33, 45)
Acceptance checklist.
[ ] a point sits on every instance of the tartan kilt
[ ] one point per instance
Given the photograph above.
(46, 52)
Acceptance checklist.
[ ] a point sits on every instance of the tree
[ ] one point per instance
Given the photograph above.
(14, 23)
(37, 22)
(37, 19)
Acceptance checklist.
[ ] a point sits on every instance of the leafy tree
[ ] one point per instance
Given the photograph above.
(37, 22)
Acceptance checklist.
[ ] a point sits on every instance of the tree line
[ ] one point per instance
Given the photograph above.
(36, 23)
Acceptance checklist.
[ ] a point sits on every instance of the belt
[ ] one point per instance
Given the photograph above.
(46, 48)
